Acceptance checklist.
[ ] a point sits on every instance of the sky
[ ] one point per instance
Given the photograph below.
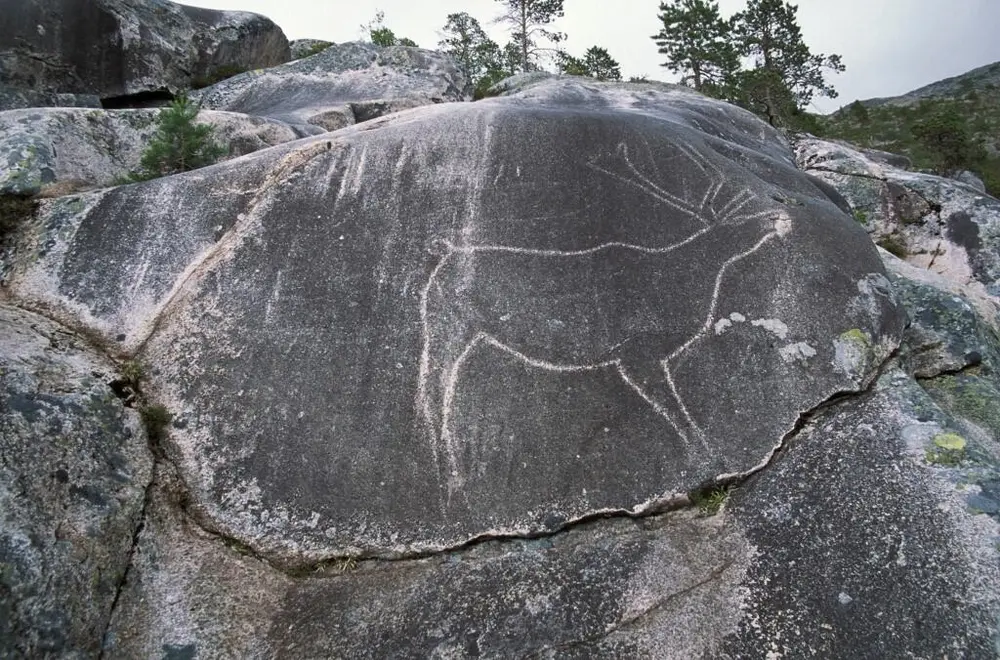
(890, 47)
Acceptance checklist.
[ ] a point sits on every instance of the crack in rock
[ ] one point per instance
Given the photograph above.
(638, 618)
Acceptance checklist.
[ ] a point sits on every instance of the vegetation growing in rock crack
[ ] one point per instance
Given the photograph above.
(155, 419)
(15, 210)
(133, 371)
(709, 501)
(179, 144)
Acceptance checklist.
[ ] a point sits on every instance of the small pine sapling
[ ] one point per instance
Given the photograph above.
(179, 144)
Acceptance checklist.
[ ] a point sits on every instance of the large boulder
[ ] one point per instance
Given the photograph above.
(121, 48)
(586, 370)
(342, 85)
(948, 226)
(74, 468)
(78, 148)
(446, 323)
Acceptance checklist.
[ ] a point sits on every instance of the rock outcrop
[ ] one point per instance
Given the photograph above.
(945, 225)
(67, 149)
(74, 468)
(342, 85)
(127, 48)
(585, 370)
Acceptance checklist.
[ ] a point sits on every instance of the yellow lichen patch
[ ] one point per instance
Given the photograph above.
(950, 441)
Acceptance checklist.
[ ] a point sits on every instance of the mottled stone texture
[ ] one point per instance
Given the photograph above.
(74, 467)
(476, 319)
(89, 148)
(471, 380)
(114, 48)
(946, 226)
(342, 85)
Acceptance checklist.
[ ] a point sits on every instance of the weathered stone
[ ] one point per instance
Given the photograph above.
(473, 320)
(951, 329)
(342, 85)
(74, 467)
(116, 48)
(94, 148)
(863, 547)
(970, 179)
(612, 586)
(933, 222)
(14, 97)
(305, 47)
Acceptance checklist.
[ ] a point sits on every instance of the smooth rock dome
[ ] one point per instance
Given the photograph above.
(477, 320)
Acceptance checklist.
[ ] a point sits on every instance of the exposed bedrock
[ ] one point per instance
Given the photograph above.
(115, 49)
(472, 380)
(474, 320)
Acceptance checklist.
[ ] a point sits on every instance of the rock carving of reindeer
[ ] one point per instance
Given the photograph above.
(630, 307)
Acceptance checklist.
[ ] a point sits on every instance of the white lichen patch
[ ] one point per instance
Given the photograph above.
(736, 317)
(775, 326)
(851, 353)
(722, 325)
(798, 352)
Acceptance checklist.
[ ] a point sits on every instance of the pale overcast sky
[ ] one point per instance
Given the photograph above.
(889, 46)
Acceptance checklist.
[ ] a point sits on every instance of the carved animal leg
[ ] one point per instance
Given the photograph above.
(651, 381)
(446, 347)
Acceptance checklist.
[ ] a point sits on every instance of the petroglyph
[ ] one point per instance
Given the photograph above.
(633, 308)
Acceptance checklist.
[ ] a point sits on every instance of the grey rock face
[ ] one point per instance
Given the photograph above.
(473, 296)
(113, 48)
(74, 467)
(15, 97)
(92, 148)
(940, 224)
(970, 179)
(443, 383)
(342, 85)
(863, 548)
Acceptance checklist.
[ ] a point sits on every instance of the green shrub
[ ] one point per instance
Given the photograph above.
(133, 372)
(179, 144)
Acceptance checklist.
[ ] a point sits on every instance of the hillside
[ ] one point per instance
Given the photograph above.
(984, 77)
(888, 123)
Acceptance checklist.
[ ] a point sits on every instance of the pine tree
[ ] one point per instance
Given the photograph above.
(464, 39)
(528, 21)
(595, 63)
(601, 65)
(769, 33)
(697, 43)
(179, 144)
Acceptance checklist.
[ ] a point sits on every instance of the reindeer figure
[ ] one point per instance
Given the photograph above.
(631, 307)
